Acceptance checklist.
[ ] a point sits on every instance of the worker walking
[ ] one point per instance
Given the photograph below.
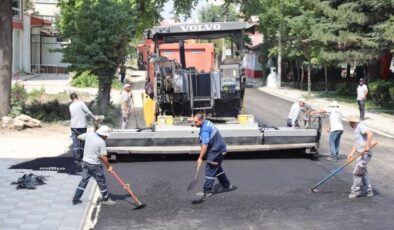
(213, 146)
(294, 115)
(95, 151)
(126, 105)
(363, 137)
(362, 91)
(78, 111)
(335, 129)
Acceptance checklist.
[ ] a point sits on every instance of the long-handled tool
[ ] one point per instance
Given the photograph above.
(193, 183)
(135, 114)
(313, 189)
(128, 189)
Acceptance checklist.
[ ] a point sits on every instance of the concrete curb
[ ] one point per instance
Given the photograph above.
(380, 132)
(32, 77)
(86, 223)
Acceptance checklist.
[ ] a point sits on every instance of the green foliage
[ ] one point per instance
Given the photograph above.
(346, 89)
(216, 13)
(36, 94)
(380, 91)
(84, 80)
(18, 99)
(48, 111)
(391, 92)
(89, 80)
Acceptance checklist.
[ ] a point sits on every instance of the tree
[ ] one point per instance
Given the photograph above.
(29, 8)
(216, 13)
(5, 56)
(98, 31)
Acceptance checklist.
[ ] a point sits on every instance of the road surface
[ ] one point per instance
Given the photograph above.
(272, 189)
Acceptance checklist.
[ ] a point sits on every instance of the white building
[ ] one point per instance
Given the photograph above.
(47, 9)
(33, 42)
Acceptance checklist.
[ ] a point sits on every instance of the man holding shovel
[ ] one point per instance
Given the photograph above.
(95, 152)
(213, 146)
(126, 105)
(363, 137)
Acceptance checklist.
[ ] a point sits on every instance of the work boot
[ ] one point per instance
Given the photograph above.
(204, 194)
(223, 189)
(108, 201)
(370, 193)
(330, 158)
(353, 195)
(75, 202)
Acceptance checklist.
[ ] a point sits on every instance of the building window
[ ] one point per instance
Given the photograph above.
(17, 9)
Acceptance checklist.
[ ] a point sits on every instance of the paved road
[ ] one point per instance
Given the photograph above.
(272, 191)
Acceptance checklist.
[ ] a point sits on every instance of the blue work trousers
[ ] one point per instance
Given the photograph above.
(214, 170)
(89, 170)
(335, 139)
(78, 145)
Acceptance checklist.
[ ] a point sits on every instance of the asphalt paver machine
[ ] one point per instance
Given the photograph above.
(179, 91)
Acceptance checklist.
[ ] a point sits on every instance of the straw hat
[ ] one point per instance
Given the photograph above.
(353, 118)
(126, 85)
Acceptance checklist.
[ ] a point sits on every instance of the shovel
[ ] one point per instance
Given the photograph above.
(128, 190)
(193, 183)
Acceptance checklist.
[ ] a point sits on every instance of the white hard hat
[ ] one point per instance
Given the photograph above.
(103, 131)
(334, 104)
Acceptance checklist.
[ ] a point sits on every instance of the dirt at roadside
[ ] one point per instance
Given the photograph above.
(49, 141)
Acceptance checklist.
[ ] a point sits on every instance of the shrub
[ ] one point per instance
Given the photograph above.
(85, 79)
(18, 99)
(346, 89)
(379, 91)
(391, 92)
(48, 111)
(35, 94)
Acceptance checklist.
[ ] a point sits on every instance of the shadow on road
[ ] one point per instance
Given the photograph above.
(284, 154)
(62, 164)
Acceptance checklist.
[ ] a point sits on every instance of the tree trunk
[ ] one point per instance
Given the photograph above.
(298, 75)
(5, 56)
(309, 79)
(293, 69)
(104, 93)
(279, 59)
(325, 78)
(302, 76)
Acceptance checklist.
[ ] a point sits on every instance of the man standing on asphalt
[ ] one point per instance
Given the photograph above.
(336, 128)
(294, 115)
(363, 137)
(95, 151)
(362, 91)
(213, 146)
(126, 105)
(78, 112)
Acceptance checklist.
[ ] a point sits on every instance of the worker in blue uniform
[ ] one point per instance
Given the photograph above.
(213, 146)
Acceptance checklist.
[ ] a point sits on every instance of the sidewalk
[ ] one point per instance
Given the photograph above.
(42, 151)
(380, 123)
(48, 206)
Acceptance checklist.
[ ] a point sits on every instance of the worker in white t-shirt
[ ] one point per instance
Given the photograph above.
(362, 91)
(336, 128)
(294, 114)
(126, 105)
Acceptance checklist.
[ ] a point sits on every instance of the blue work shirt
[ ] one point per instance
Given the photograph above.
(210, 135)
